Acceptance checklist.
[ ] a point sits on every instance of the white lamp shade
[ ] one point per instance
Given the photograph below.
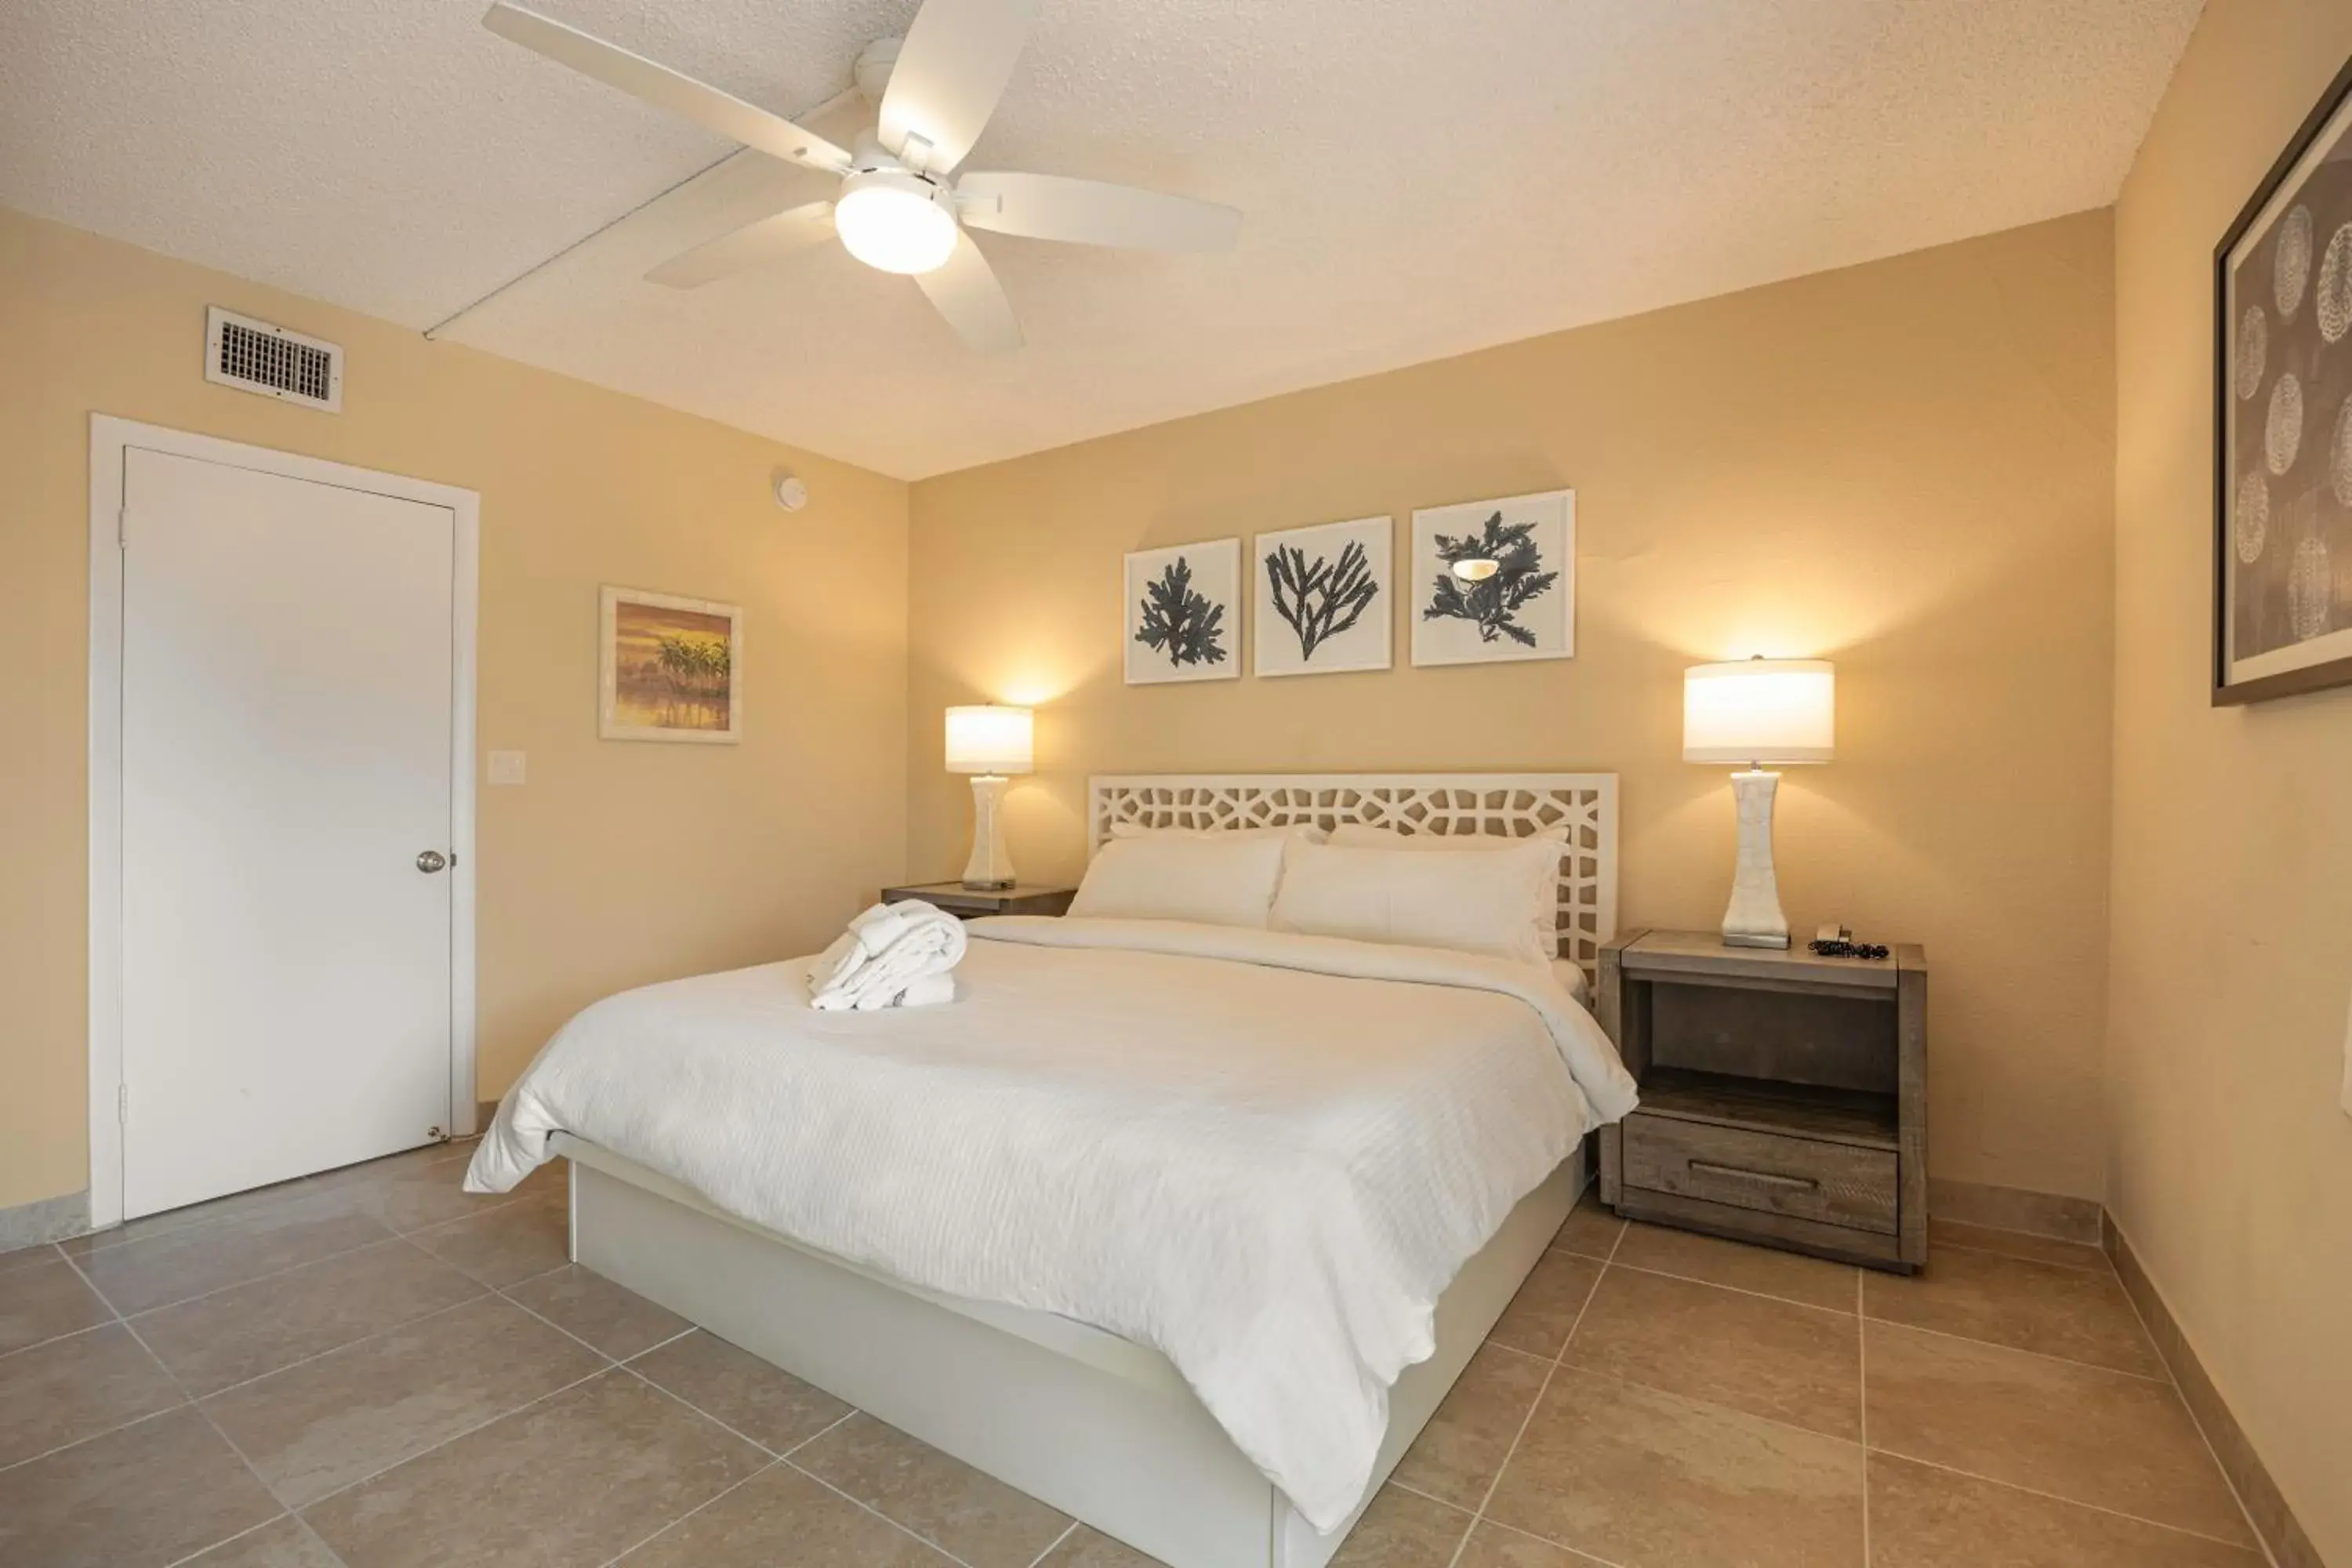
(1760, 711)
(989, 740)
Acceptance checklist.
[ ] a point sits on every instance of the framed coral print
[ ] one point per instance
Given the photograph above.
(1323, 600)
(2283, 422)
(1494, 580)
(1182, 614)
(670, 668)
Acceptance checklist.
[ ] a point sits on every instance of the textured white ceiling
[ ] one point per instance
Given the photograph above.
(1421, 177)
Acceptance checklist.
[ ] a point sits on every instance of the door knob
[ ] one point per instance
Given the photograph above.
(432, 861)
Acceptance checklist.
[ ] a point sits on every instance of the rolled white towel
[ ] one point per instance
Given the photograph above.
(884, 951)
(923, 991)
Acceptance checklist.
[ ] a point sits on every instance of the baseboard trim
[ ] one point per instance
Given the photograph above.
(2266, 1506)
(50, 1219)
(2014, 1208)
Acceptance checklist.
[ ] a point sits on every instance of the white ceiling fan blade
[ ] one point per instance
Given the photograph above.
(950, 71)
(788, 232)
(1089, 211)
(967, 293)
(665, 89)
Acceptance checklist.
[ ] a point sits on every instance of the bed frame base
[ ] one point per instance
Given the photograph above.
(1100, 1427)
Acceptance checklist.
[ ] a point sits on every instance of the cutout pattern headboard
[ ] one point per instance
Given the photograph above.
(1511, 804)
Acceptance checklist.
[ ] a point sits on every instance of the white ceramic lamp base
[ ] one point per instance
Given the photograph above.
(990, 868)
(1754, 918)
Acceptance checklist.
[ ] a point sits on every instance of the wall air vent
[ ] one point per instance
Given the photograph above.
(254, 357)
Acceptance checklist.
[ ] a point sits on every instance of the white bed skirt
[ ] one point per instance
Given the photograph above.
(1099, 1426)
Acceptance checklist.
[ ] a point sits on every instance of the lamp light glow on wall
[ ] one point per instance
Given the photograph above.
(1756, 711)
(990, 742)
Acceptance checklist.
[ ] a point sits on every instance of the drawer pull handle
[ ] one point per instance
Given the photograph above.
(1796, 1184)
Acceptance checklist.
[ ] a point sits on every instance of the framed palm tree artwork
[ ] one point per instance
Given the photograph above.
(671, 668)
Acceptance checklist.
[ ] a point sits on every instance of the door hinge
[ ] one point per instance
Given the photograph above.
(122, 1103)
(122, 528)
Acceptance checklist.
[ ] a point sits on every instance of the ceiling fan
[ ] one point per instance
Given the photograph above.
(901, 207)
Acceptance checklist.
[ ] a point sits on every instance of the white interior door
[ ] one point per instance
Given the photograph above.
(287, 736)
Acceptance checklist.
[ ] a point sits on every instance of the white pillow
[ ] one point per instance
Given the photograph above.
(1543, 917)
(1364, 836)
(1475, 900)
(1219, 878)
(1306, 830)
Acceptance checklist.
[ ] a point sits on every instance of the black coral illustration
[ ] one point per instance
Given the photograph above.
(1178, 620)
(1491, 603)
(1323, 599)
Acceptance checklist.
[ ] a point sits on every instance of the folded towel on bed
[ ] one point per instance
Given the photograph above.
(893, 955)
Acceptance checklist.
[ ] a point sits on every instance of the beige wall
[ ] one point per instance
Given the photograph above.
(618, 862)
(2231, 1167)
(1906, 467)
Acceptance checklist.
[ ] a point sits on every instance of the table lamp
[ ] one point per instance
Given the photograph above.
(988, 742)
(1756, 711)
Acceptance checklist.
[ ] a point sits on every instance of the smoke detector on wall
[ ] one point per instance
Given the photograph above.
(791, 493)
(258, 357)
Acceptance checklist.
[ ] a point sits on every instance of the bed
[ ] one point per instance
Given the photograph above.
(1063, 1207)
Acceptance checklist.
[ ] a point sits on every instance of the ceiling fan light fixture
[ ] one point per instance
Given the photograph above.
(895, 221)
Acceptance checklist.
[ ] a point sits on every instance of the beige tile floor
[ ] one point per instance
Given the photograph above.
(373, 1369)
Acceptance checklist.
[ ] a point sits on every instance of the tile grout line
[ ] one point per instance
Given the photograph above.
(1862, 1313)
(1054, 1544)
(94, 1437)
(725, 1492)
(1550, 1372)
(2015, 1258)
(429, 1448)
(391, 1233)
(1863, 1322)
(813, 1436)
(69, 1334)
(1448, 1507)
(314, 1181)
(312, 1531)
(190, 1403)
(316, 1355)
(7, 1268)
(1905, 1458)
(597, 1350)
(903, 1530)
(657, 1344)
(228, 1539)
(1581, 1556)
(1744, 1290)
(2058, 1497)
(2262, 1543)
(2019, 1350)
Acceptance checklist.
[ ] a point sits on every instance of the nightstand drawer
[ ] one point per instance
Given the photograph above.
(1804, 1178)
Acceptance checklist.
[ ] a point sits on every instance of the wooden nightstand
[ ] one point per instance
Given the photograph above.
(965, 904)
(1784, 1097)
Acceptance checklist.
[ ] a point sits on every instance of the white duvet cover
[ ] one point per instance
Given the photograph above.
(1264, 1154)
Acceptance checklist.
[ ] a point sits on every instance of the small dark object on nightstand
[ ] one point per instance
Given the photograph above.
(1838, 947)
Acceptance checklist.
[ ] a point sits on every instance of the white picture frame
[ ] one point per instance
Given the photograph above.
(1323, 598)
(698, 702)
(1495, 620)
(1197, 588)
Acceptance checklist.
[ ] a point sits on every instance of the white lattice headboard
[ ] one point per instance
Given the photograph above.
(1511, 804)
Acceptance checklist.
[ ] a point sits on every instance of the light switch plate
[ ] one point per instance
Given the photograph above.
(506, 767)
